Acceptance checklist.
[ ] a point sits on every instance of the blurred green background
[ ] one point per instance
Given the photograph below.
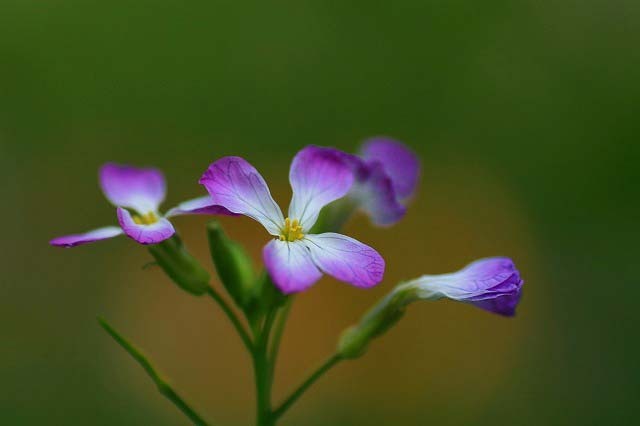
(525, 115)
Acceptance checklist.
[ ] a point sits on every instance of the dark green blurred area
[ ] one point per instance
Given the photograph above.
(524, 114)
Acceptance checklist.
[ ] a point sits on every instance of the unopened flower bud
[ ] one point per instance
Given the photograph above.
(232, 263)
(493, 284)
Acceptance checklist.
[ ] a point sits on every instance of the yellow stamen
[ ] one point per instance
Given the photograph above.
(145, 219)
(291, 231)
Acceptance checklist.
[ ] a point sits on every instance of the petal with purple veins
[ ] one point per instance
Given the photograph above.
(200, 205)
(141, 189)
(346, 259)
(153, 233)
(87, 237)
(318, 176)
(290, 266)
(235, 184)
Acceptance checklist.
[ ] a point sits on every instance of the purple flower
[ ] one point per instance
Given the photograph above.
(137, 193)
(295, 259)
(493, 284)
(387, 174)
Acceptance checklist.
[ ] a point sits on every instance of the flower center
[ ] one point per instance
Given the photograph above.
(291, 231)
(145, 219)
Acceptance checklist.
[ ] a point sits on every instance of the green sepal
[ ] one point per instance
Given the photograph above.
(233, 265)
(180, 266)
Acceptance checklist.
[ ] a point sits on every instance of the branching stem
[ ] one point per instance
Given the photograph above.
(163, 387)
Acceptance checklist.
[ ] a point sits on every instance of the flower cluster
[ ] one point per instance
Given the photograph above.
(378, 181)
(328, 186)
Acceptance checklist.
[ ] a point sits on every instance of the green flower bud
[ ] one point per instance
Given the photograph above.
(386, 313)
(180, 266)
(233, 265)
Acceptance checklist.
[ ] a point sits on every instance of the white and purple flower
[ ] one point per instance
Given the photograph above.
(493, 284)
(295, 259)
(386, 176)
(137, 193)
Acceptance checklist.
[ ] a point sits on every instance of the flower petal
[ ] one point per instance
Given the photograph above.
(290, 265)
(145, 234)
(200, 205)
(88, 237)
(236, 185)
(141, 189)
(346, 259)
(318, 176)
(503, 305)
(398, 161)
(377, 197)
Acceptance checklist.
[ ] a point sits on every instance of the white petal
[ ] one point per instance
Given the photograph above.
(290, 265)
(318, 176)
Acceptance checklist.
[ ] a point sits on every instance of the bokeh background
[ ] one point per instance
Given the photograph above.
(525, 115)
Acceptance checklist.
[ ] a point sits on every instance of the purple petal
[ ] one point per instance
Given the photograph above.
(377, 197)
(88, 237)
(141, 189)
(290, 266)
(318, 176)
(200, 205)
(235, 184)
(503, 305)
(346, 259)
(493, 284)
(398, 161)
(145, 234)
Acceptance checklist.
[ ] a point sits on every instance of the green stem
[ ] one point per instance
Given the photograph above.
(262, 370)
(266, 328)
(277, 334)
(326, 366)
(166, 390)
(232, 316)
(164, 387)
(263, 389)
